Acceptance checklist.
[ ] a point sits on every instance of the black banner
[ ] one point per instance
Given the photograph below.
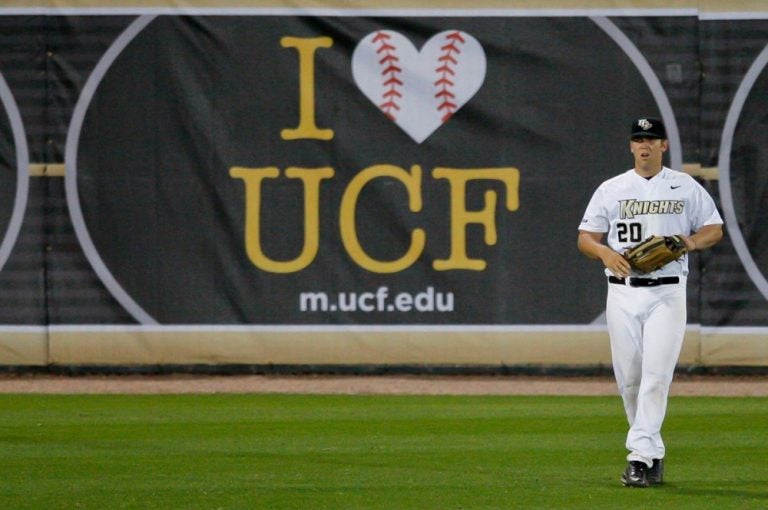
(397, 170)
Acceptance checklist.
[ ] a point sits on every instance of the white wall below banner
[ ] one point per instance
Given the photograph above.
(560, 346)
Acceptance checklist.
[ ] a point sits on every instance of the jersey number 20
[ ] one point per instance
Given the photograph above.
(629, 232)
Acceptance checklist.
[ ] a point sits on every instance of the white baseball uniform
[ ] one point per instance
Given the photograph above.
(646, 323)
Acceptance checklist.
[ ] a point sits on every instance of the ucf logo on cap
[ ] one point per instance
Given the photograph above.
(648, 127)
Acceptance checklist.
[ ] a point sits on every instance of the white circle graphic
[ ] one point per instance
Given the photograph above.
(22, 172)
(70, 180)
(724, 161)
(657, 89)
(73, 138)
(665, 108)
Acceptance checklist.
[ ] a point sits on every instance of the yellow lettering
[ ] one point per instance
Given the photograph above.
(307, 127)
(412, 182)
(461, 217)
(253, 177)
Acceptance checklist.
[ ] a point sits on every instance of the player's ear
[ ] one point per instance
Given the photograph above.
(664, 145)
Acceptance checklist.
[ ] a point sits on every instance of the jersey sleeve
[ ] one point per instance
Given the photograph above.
(596, 217)
(706, 210)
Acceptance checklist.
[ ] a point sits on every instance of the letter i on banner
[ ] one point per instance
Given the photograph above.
(307, 127)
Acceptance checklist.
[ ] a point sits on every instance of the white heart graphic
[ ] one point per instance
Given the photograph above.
(419, 91)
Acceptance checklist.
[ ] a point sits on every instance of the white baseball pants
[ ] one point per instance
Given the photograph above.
(646, 327)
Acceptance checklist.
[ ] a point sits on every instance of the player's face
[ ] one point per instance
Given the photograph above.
(648, 151)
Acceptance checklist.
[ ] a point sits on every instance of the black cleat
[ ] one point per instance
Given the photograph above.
(655, 474)
(635, 475)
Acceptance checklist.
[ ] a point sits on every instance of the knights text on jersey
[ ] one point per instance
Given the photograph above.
(631, 208)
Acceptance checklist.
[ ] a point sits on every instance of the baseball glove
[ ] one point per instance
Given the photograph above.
(655, 252)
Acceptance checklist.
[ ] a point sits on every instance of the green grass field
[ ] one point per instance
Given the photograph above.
(369, 452)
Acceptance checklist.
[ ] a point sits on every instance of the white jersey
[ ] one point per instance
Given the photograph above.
(631, 208)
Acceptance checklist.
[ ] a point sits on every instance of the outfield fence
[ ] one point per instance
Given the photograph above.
(221, 183)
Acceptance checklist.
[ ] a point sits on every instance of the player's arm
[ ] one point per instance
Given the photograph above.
(591, 245)
(706, 237)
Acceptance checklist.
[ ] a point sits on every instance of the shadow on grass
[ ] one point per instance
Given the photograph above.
(751, 490)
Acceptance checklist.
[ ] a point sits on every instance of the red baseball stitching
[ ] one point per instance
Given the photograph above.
(390, 72)
(448, 60)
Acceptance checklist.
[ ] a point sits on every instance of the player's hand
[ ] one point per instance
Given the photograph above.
(616, 263)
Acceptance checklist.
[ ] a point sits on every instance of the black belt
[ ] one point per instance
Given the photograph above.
(645, 282)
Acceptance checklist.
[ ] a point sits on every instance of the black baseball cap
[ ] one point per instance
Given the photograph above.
(648, 127)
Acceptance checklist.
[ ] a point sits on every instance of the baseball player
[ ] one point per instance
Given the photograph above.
(646, 313)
